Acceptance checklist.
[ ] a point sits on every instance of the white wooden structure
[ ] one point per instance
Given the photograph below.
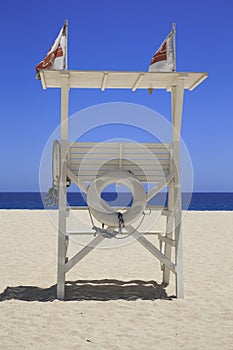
(124, 156)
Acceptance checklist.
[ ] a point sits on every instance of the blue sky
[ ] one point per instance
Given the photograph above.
(116, 35)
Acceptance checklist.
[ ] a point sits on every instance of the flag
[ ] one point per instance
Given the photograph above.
(164, 58)
(56, 58)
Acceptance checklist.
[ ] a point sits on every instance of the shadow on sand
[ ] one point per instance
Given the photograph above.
(100, 290)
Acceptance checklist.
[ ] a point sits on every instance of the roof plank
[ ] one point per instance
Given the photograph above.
(121, 79)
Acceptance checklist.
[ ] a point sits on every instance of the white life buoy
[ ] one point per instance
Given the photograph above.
(103, 212)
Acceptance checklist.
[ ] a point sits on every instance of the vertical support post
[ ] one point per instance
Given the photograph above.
(178, 92)
(62, 241)
(170, 217)
(169, 231)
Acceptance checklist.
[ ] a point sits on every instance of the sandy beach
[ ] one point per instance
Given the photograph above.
(114, 298)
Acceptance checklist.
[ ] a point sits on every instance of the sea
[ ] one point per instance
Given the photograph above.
(195, 201)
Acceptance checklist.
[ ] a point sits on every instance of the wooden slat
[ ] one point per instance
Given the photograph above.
(87, 162)
(83, 170)
(109, 166)
(147, 161)
(167, 240)
(150, 178)
(136, 171)
(115, 152)
(150, 145)
(129, 156)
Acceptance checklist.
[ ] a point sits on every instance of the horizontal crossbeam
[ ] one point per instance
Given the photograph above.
(167, 240)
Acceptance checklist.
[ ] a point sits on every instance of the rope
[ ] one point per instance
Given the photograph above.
(143, 217)
(120, 222)
(129, 234)
(107, 234)
(51, 198)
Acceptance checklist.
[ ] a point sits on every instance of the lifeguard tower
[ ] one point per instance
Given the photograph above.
(124, 162)
(92, 166)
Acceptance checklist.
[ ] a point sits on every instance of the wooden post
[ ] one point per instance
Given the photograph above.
(169, 232)
(178, 93)
(62, 240)
(170, 217)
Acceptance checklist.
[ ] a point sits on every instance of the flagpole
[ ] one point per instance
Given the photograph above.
(174, 46)
(66, 29)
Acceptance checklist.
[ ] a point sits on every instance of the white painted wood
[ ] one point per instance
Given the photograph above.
(150, 179)
(104, 81)
(166, 212)
(149, 206)
(64, 105)
(178, 227)
(43, 82)
(149, 162)
(178, 95)
(151, 248)
(83, 252)
(158, 156)
(120, 79)
(137, 82)
(62, 247)
(90, 233)
(167, 240)
(170, 218)
(198, 81)
(135, 145)
(90, 163)
(169, 231)
(93, 172)
(76, 179)
(115, 152)
(178, 104)
(127, 155)
(163, 183)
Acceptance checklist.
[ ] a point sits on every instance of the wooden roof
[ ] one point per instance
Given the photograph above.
(120, 79)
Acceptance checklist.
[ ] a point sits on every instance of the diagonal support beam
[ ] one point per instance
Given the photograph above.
(163, 183)
(151, 248)
(83, 252)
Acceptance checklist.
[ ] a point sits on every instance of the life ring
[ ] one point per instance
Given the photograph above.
(103, 212)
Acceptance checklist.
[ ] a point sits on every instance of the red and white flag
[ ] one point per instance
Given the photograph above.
(56, 58)
(164, 58)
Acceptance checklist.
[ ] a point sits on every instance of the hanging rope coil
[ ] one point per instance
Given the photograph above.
(51, 198)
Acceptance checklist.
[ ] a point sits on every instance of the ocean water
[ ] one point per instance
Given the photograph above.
(199, 201)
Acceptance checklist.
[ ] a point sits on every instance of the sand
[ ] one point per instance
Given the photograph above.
(105, 309)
